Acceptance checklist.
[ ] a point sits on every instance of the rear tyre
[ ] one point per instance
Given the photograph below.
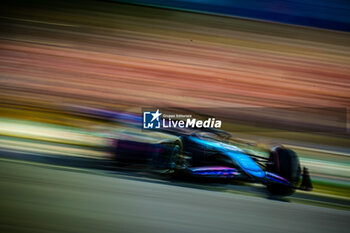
(171, 155)
(285, 163)
(175, 156)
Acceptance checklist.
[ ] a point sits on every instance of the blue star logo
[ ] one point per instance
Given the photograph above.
(151, 120)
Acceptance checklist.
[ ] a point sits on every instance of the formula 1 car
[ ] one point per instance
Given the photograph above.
(215, 154)
(211, 154)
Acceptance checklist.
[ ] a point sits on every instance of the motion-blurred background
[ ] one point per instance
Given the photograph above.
(273, 71)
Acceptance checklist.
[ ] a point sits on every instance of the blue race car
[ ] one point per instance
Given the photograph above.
(211, 154)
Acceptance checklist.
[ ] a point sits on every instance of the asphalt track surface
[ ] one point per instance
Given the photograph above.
(37, 198)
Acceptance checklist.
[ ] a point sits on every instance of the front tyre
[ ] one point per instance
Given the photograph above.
(285, 163)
